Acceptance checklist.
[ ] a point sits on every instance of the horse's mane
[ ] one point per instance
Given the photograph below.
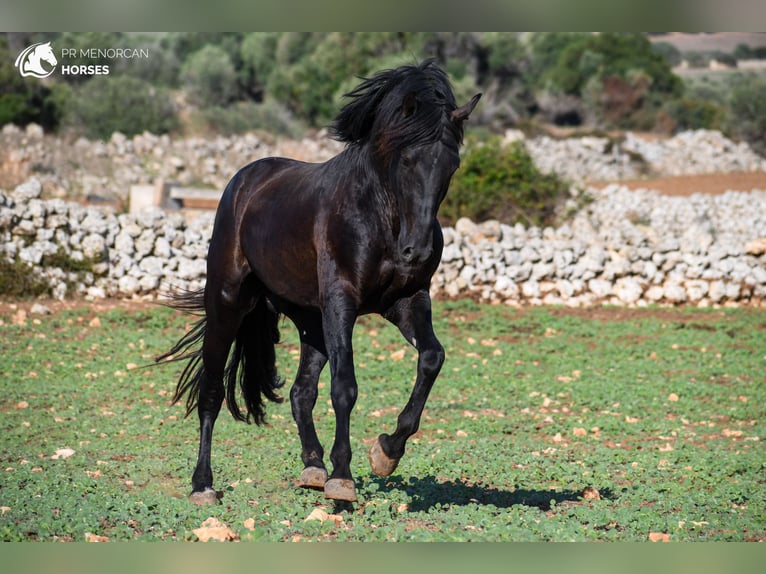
(397, 108)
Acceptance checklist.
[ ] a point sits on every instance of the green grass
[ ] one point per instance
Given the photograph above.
(660, 411)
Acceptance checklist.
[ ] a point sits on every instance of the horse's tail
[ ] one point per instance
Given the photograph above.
(251, 364)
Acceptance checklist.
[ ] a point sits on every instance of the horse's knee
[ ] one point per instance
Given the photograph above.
(343, 394)
(431, 360)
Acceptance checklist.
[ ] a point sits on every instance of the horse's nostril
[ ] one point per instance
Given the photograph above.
(408, 253)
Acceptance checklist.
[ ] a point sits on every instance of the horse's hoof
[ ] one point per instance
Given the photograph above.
(204, 497)
(340, 489)
(381, 464)
(313, 477)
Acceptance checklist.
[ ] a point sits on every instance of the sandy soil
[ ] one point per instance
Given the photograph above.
(709, 183)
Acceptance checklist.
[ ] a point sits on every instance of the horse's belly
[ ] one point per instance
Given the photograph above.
(287, 268)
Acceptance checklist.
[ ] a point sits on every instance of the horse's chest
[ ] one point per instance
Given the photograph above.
(395, 281)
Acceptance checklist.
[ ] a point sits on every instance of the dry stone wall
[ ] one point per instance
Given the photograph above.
(107, 169)
(627, 248)
(624, 247)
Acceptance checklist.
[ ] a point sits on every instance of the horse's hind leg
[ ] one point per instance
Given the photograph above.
(223, 315)
(222, 323)
(413, 317)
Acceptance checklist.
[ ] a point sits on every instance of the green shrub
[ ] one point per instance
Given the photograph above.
(209, 77)
(669, 52)
(245, 116)
(106, 104)
(692, 114)
(747, 112)
(620, 77)
(19, 280)
(501, 182)
(23, 100)
(258, 53)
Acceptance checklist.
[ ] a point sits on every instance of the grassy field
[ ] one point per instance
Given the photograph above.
(545, 425)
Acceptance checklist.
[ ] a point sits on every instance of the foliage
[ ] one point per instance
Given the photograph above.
(19, 280)
(747, 52)
(209, 77)
(258, 62)
(691, 114)
(497, 181)
(505, 54)
(106, 104)
(660, 411)
(619, 76)
(608, 55)
(268, 116)
(671, 54)
(747, 118)
(23, 100)
(703, 59)
(605, 81)
(545, 49)
(311, 68)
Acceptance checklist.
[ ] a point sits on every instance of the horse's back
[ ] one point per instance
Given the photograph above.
(268, 214)
(254, 177)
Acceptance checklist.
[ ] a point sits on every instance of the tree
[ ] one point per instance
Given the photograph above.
(105, 104)
(258, 53)
(209, 77)
(620, 77)
(747, 106)
(23, 100)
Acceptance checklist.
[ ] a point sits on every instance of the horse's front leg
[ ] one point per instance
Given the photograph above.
(413, 317)
(338, 317)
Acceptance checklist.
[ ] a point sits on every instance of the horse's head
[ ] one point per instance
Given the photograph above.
(413, 128)
(45, 53)
(29, 60)
(423, 172)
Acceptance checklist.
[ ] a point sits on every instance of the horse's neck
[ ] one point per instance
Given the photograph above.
(33, 62)
(375, 187)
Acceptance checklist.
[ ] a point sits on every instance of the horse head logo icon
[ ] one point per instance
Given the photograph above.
(30, 60)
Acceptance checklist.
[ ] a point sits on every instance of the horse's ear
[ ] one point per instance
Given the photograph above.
(409, 104)
(461, 114)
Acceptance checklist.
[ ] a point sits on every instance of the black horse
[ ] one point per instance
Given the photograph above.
(322, 244)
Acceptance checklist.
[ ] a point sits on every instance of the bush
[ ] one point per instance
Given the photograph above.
(19, 280)
(747, 112)
(23, 100)
(257, 52)
(245, 116)
(106, 104)
(209, 77)
(501, 182)
(693, 114)
(668, 51)
(620, 78)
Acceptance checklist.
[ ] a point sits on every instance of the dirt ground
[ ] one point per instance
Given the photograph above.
(23, 312)
(684, 185)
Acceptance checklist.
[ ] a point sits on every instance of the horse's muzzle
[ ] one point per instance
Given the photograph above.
(412, 255)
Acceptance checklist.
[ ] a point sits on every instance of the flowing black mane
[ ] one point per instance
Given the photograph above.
(398, 108)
